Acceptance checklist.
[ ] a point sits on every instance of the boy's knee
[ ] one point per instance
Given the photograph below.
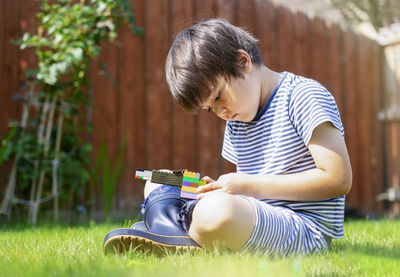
(213, 212)
(222, 218)
(212, 218)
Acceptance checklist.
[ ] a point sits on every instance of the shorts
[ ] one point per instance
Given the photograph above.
(281, 231)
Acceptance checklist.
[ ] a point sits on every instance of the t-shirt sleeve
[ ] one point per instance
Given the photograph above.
(310, 105)
(228, 147)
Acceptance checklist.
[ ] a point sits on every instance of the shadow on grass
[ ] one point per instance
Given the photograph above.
(367, 248)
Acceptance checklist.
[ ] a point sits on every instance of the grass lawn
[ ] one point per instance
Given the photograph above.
(371, 248)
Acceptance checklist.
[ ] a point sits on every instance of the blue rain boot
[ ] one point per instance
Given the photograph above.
(139, 226)
(166, 222)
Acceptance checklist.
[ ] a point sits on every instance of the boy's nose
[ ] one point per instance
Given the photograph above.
(220, 111)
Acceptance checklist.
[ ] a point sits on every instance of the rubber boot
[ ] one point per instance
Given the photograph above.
(164, 229)
(139, 226)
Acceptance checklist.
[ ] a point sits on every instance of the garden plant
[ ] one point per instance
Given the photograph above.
(46, 146)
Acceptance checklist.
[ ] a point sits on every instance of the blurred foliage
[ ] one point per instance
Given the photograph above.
(380, 13)
(107, 172)
(68, 37)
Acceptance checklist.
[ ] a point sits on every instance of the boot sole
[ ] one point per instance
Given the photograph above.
(125, 240)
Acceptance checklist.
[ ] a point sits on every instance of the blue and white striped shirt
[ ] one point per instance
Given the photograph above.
(275, 142)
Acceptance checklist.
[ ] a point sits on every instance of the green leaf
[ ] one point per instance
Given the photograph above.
(6, 144)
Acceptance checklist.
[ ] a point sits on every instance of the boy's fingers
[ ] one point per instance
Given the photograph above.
(209, 187)
(202, 195)
(207, 179)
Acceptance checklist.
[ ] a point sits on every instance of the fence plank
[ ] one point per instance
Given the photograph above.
(203, 9)
(3, 47)
(319, 54)
(395, 155)
(350, 111)
(376, 128)
(286, 61)
(335, 62)
(226, 9)
(158, 105)
(9, 63)
(246, 15)
(301, 44)
(132, 119)
(364, 112)
(392, 159)
(105, 100)
(104, 116)
(184, 133)
(266, 32)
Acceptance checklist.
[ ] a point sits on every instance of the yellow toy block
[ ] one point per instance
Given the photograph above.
(189, 174)
(189, 189)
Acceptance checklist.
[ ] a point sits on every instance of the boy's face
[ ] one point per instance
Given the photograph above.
(236, 99)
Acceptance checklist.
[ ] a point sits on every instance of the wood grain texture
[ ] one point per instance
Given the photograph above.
(285, 41)
(302, 44)
(158, 100)
(131, 107)
(266, 32)
(351, 124)
(365, 90)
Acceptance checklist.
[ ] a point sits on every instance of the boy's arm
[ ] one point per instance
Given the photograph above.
(331, 178)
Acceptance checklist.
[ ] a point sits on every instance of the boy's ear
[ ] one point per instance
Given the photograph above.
(244, 61)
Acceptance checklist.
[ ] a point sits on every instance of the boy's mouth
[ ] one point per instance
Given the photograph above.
(233, 116)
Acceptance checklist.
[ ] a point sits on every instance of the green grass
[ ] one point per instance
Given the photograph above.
(371, 248)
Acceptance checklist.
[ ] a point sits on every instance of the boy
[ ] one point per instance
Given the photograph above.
(283, 133)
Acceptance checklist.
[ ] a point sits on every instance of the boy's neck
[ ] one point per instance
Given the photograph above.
(269, 79)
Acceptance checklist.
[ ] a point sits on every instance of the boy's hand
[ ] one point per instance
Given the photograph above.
(232, 183)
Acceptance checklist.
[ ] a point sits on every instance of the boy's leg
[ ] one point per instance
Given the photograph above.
(245, 223)
(224, 219)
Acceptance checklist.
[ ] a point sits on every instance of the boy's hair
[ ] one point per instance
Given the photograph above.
(203, 53)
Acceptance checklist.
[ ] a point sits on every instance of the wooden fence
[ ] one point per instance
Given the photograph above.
(161, 135)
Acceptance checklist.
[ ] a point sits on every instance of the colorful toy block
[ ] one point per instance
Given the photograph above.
(143, 174)
(187, 180)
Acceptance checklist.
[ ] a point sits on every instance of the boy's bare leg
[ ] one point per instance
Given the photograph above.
(223, 219)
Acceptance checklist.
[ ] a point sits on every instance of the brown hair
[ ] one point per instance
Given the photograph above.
(202, 53)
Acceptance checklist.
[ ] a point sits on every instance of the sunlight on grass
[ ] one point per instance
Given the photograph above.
(371, 248)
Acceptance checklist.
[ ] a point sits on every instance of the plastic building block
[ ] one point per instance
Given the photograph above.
(172, 179)
(189, 189)
(187, 180)
(143, 174)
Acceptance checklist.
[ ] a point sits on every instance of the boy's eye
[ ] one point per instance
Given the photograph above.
(215, 100)
(218, 97)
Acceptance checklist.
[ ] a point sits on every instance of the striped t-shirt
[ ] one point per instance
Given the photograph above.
(275, 142)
